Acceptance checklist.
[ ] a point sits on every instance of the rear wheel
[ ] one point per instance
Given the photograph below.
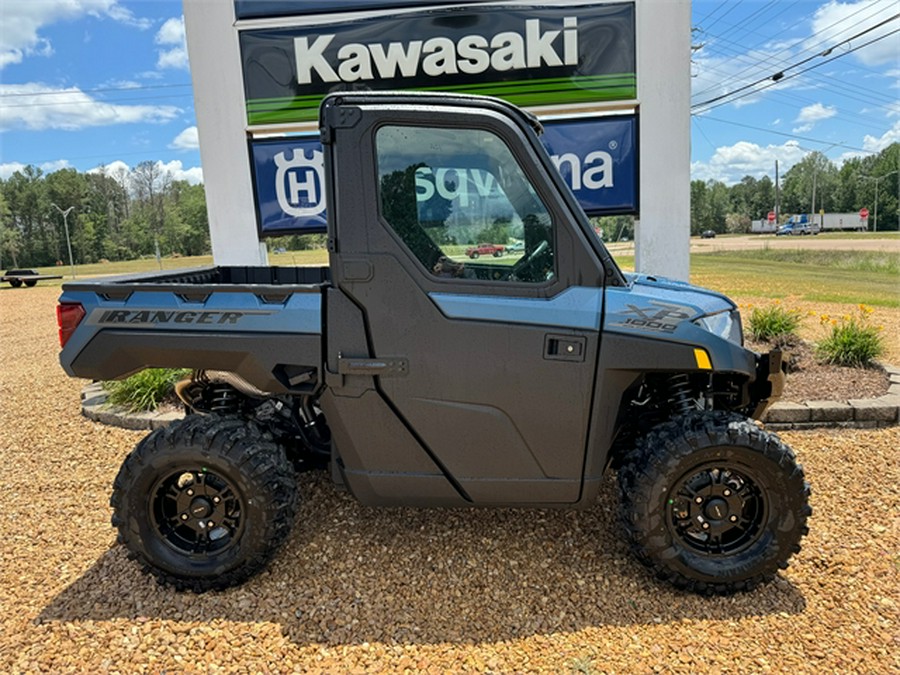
(31, 283)
(205, 503)
(714, 504)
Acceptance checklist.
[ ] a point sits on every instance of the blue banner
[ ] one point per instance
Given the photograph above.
(289, 184)
(596, 157)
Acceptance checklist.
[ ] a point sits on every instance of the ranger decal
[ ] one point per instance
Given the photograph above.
(152, 316)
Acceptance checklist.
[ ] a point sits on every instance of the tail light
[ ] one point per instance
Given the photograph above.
(68, 316)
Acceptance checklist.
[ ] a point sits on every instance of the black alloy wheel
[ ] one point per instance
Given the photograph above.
(712, 503)
(205, 503)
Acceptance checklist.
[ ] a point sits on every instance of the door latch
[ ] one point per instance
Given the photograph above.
(564, 348)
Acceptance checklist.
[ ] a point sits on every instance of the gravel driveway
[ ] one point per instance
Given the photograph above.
(364, 590)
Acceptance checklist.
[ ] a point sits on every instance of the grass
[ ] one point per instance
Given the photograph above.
(743, 275)
(854, 261)
(852, 341)
(845, 277)
(144, 390)
(774, 323)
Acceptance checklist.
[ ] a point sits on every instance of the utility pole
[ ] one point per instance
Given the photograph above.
(876, 179)
(777, 195)
(65, 215)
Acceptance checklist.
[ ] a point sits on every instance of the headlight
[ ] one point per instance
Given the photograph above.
(725, 324)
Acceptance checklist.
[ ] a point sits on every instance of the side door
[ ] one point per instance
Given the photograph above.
(489, 361)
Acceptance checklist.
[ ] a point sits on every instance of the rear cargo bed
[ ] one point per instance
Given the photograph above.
(261, 323)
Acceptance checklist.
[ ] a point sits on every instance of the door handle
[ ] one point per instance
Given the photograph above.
(564, 348)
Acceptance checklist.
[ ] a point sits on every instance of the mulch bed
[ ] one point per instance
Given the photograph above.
(811, 380)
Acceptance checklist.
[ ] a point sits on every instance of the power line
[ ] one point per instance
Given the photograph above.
(64, 92)
(850, 88)
(94, 102)
(780, 76)
(781, 133)
(773, 58)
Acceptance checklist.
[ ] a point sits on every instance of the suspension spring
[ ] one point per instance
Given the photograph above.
(223, 399)
(680, 400)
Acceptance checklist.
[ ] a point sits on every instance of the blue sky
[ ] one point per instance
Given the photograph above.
(90, 83)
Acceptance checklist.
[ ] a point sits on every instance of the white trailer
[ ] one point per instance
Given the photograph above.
(763, 226)
(841, 221)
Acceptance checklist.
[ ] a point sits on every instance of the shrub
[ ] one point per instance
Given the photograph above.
(774, 323)
(144, 390)
(852, 341)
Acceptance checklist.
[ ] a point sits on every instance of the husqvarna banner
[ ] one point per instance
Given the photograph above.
(529, 55)
(596, 157)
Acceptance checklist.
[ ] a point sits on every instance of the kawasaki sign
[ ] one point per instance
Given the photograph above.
(530, 56)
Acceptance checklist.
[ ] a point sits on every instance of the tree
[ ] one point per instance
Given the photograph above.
(10, 237)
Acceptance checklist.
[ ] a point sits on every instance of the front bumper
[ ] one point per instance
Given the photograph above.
(771, 375)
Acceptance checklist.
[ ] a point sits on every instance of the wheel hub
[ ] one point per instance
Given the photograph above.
(200, 507)
(196, 511)
(716, 510)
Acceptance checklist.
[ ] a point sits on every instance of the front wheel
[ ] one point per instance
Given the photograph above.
(205, 503)
(714, 504)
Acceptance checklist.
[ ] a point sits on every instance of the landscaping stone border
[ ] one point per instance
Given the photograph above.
(860, 413)
(95, 407)
(866, 413)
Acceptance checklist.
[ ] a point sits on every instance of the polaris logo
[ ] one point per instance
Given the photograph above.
(439, 56)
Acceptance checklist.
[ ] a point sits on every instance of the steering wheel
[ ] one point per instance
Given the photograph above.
(528, 261)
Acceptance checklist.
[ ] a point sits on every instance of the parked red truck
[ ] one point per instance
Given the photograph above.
(495, 250)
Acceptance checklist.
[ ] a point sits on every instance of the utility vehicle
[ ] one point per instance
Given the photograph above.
(418, 377)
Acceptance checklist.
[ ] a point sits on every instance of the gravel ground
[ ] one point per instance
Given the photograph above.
(366, 590)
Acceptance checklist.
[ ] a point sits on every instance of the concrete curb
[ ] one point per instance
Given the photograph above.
(866, 413)
(95, 407)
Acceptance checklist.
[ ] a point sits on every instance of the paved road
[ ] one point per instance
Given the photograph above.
(770, 241)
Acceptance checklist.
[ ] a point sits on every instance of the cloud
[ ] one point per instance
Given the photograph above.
(36, 107)
(186, 140)
(9, 168)
(731, 163)
(118, 168)
(892, 135)
(23, 20)
(835, 21)
(192, 175)
(815, 113)
(174, 46)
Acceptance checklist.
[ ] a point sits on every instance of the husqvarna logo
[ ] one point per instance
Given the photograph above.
(299, 182)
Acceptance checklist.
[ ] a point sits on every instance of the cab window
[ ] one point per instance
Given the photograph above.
(462, 205)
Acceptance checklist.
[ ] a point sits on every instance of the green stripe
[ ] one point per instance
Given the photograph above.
(550, 91)
(587, 80)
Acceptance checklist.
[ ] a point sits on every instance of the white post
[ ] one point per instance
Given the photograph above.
(662, 235)
(221, 123)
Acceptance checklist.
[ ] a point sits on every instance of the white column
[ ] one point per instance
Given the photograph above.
(662, 235)
(221, 123)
